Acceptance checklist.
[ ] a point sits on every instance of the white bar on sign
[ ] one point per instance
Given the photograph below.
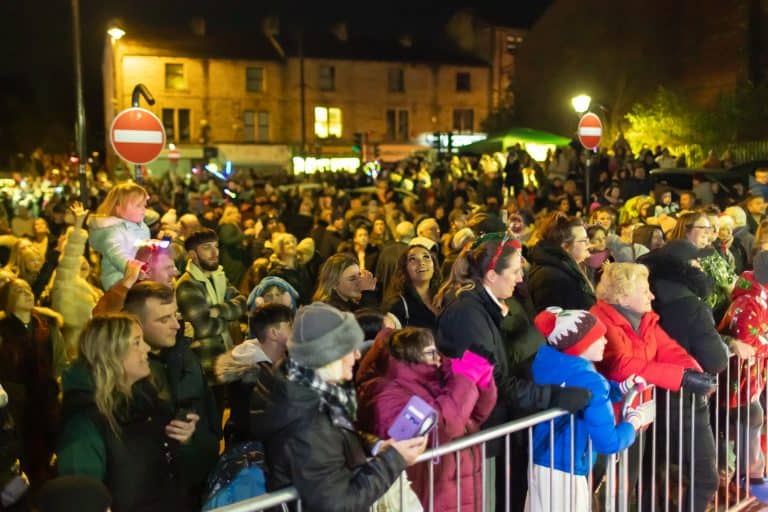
(141, 136)
(590, 130)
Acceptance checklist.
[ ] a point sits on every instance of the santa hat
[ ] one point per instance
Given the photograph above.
(569, 330)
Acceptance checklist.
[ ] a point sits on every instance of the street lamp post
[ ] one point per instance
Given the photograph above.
(115, 31)
(581, 105)
(80, 132)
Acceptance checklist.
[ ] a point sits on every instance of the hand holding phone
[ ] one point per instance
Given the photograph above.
(416, 419)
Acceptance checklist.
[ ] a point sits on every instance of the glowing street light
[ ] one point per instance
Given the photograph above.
(115, 30)
(581, 103)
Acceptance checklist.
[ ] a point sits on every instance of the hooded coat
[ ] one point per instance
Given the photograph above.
(747, 321)
(461, 407)
(595, 421)
(679, 290)
(556, 279)
(313, 445)
(115, 239)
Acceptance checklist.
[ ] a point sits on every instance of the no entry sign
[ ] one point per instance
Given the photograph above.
(137, 135)
(590, 131)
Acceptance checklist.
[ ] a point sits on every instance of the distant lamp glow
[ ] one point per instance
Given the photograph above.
(581, 103)
(116, 30)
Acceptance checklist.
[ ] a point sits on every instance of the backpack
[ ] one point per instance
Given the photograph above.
(238, 475)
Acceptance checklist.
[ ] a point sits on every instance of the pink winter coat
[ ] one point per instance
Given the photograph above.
(462, 407)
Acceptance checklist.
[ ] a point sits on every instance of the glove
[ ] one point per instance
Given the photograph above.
(699, 383)
(571, 399)
(472, 366)
(644, 414)
(633, 380)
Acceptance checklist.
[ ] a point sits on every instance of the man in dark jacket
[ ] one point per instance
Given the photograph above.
(154, 305)
(303, 414)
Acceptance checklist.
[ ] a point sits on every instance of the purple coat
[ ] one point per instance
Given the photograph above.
(462, 407)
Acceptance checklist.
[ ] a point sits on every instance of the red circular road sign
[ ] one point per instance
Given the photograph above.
(137, 135)
(590, 130)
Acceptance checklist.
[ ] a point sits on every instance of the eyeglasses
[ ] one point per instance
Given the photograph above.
(431, 353)
(507, 240)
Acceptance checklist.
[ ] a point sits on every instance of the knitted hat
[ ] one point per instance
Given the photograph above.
(571, 330)
(760, 266)
(322, 334)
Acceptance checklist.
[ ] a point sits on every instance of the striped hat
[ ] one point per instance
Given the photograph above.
(569, 330)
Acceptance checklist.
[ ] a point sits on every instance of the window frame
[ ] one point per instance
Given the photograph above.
(460, 85)
(170, 77)
(249, 80)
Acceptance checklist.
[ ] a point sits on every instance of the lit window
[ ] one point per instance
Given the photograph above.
(327, 78)
(328, 122)
(174, 77)
(463, 120)
(463, 82)
(254, 79)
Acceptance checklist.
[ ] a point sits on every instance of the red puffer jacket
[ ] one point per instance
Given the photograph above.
(651, 353)
(462, 407)
(747, 321)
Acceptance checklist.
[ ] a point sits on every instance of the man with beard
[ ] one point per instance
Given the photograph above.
(208, 301)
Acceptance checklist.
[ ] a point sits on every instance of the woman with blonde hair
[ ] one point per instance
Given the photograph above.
(284, 263)
(116, 229)
(341, 283)
(119, 425)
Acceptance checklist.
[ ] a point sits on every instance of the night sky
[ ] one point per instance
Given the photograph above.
(37, 77)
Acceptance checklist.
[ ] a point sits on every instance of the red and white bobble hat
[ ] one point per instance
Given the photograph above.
(569, 330)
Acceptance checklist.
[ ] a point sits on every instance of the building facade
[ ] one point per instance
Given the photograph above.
(249, 97)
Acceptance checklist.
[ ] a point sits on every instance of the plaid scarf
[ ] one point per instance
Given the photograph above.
(342, 396)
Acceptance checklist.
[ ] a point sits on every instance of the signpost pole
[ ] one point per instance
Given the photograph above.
(590, 131)
(142, 90)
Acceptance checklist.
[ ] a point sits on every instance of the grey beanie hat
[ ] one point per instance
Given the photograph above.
(322, 334)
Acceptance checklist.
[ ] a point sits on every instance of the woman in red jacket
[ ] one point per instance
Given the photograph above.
(638, 346)
(463, 393)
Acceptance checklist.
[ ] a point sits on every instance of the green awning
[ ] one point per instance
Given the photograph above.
(523, 136)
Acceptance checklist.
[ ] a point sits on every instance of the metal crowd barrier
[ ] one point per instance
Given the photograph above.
(672, 477)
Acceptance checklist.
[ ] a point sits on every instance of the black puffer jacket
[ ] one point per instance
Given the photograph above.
(472, 322)
(312, 445)
(556, 280)
(679, 289)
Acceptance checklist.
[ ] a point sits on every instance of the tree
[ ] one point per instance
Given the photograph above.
(666, 119)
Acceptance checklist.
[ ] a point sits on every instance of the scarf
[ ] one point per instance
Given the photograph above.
(634, 318)
(342, 396)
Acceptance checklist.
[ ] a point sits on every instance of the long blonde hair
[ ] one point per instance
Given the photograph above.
(330, 275)
(104, 342)
(118, 195)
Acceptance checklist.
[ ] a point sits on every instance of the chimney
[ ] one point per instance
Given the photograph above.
(340, 31)
(197, 25)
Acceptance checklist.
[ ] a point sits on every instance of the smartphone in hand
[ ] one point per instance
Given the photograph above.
(416, 419)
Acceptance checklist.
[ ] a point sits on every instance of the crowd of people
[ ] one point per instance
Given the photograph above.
(159, 331)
